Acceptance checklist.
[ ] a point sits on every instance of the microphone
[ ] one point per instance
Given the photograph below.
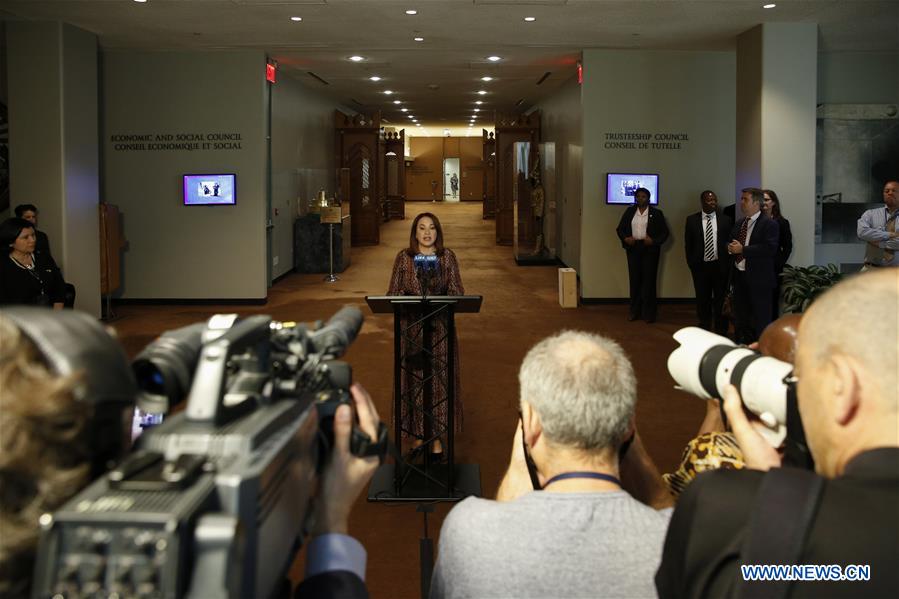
(425, 267)
(425, 263)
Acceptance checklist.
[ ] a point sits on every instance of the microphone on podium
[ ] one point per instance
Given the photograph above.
(425, 268)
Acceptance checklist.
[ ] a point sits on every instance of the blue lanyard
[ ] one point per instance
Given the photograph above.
(594, 475)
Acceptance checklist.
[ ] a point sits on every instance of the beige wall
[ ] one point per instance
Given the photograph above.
(858, 78)
(54, 144)
(302, 159)
(562, 124)
(653, 92)
(471, 164)
(776, 111)
(176, 251)
(427, 153)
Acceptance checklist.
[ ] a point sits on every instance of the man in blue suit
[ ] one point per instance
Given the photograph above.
(754, 246)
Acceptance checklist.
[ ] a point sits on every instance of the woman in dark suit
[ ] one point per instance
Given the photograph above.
(642, 231)
(771, 208)
(26, 276)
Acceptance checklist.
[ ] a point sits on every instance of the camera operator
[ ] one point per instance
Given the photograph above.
(335, 562)
(66, 399)
(846, 515)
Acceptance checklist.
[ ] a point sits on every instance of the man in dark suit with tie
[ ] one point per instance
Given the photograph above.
(706, 235)
(754, 247)
(642, 231)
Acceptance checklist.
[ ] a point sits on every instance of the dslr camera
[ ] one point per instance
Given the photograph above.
(213, 501)
(706, 363)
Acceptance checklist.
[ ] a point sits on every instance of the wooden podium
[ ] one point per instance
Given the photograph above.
(428, 480)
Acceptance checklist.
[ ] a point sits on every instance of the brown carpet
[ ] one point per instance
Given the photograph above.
(520, 307)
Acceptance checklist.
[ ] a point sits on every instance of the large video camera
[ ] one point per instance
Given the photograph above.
(214, 500)
(706, 363)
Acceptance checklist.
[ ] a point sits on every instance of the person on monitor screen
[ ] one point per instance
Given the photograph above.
(593, 524)
(878, 228)
(642, 231)
(426, 238)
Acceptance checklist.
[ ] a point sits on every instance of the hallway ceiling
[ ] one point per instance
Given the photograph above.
(437, 79)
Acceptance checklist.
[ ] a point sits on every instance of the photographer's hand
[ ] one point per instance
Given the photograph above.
(757, 453)
(517, 480)
(345, 475)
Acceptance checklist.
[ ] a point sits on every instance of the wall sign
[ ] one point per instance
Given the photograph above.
(618, 140)
(174, 142)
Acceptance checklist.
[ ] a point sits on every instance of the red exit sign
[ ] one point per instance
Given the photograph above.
(269, 72)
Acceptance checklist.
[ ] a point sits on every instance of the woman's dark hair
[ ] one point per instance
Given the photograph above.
(21, 209)
(644, 190)
(413, 243)
(775, 206)
(10, 229)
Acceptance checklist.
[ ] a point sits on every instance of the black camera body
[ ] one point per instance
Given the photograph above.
(213, 502)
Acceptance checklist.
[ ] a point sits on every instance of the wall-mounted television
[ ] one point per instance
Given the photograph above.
(210, 190)
(620, 187)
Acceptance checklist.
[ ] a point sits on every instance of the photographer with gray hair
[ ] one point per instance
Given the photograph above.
(573, 525)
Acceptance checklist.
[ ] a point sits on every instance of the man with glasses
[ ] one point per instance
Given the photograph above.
(844, 516)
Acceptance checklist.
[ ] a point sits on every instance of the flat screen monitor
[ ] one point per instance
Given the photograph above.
(210, 190)
(620, 187)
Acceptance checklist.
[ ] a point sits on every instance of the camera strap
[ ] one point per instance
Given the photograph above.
(783, 514)
(361, 445)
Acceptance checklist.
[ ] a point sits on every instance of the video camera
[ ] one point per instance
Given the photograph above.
(213, 502)
(706, 363)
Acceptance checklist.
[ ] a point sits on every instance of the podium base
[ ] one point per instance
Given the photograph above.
(418, 489)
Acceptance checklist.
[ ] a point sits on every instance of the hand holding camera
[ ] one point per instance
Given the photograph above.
(758, 454)
(346, 473)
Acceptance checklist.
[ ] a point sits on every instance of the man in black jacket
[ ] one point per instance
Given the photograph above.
(753, 247)
(846, 380)
(642, 231)
(706, 235)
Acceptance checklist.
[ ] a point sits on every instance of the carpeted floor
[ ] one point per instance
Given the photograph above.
(520, 307)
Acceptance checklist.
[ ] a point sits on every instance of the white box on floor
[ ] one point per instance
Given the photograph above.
(568, 288)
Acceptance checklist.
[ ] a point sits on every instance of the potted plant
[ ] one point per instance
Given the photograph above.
(802, 284)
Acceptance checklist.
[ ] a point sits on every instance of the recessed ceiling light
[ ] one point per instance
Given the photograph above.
(404, 110)
(530, 19)
(140, 1)
(494, 58)
(477, 110)
(411, 11)
(478, 102)
(482, 92)
(296, 19)
(486, 78)
(418, 39)
(357, 58)
(374, 78)
(397, 102)
(417, 124)
(772, 5)
(388, 91)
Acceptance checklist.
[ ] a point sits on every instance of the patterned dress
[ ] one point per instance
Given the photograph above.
(446, 281)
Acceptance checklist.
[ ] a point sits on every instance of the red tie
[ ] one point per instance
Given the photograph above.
(744, 228)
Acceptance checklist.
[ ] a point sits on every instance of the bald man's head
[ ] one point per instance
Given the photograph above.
(859, 317)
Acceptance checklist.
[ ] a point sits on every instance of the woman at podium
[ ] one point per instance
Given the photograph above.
(426, 239)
